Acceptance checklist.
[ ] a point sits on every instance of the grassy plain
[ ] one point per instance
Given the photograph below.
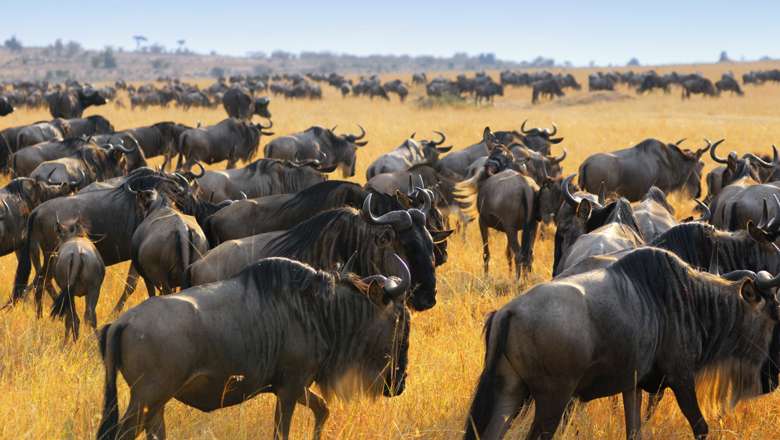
(48, 391)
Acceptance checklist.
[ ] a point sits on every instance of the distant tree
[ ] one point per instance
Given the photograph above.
(58, 47)
(181, 48)
(633, 62)
(13, 44)
(157, 48)
(104, 59)
(282, 55)
(72, 48)
(724, 57)
(138, 40)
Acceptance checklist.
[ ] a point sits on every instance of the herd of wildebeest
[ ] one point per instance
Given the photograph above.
(289, 278)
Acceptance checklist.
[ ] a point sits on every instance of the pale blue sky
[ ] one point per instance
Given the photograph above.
(655, 31)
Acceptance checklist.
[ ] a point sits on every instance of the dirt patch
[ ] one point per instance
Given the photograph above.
(593, 98)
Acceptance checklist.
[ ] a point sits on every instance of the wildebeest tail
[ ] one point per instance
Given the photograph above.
(109, 343)
(64, 302)
(484, 403)
(465, 194)
(23, 269)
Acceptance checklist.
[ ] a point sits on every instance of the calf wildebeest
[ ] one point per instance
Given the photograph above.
(263, 177)
(79, 271)
(549, 88)
(32, 134)
(728, 83)
(230, 140)
(240, 104)
(411, 152)
(89, 126)
(319, 143)
(654, 215)
(329, 239)
(505, 200)
(5, 107)
(71, 103)
(651, 319)
(111, 213)
(307, 326)
(632, 171)
(698, 85)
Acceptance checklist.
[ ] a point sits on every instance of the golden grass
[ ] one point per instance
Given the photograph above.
(50, 391)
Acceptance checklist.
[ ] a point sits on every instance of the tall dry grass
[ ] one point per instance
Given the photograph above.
(49, 391)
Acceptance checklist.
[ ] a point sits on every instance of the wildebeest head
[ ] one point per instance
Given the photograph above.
(88, 97)
(539, 139)
(432, 149)
(550, 197)
(737, 168)
(344, 148)
(415, 245)
(132, 151)
(686, 165)
(5, 107)
(424, 199)
(261, 107)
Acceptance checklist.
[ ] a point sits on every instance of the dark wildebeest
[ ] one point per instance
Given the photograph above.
(345, 333)
(549, 88)
(505, 200)
(654, 215)
(728, 83)
(230, 140)
(321, 144)
(744, 201)
(647, 321)
(263, 177)
(487, 90)
(89, 126)
(598, 81)
(419, 79)
(112, 215)
(24, 161)
(329, 239)
(71, 103)
(411, 152)
(79, 271)
(160, 139)
(632, 171)
(653, 81)
(5, 107)
(698, 85)
(57, 129)
(240, 104)
(748, 166)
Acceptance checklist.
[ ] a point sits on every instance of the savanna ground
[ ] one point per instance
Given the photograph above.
(49, 391)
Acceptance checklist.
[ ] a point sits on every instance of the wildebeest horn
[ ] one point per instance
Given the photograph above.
(768, 283)
(121, 147)
(771, 221)
(570, 199)
(735, 275)
(706, 213)
(677, 144)
(764, 215)
(553, 131)
(270, 124)
(522, 127)
(759, 161)
(129, 188)
(393, 288)
(427, 199)
(81, 180)
(402, 219)
(243, 195)
(412, 136)
(348, 266)
(202, 170)
(775, 158)
(420, 181)
(334, 128)
(362, 133)
(554, 160)
(6, 209)
(714, 155)
(443, 138)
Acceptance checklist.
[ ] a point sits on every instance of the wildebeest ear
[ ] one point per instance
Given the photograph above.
(385, 238)
(749, 291)
(584, 209)
(440, 236)
(488, 138)
(376, 292)
(757, 233)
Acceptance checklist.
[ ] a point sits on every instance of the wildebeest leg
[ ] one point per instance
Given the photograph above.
(132, 420)
(550, 405)
(527, 250)
(317, 406)
(132, 281)
(43, 280)
(483, 230)
(653, 399)
(685, 391)
(510, 395)
(632, 408)
(513, 251)
(154, 424)
(90, 305)
(285, 405)
(150, 287)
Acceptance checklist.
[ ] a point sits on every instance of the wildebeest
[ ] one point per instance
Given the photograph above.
(306, 326)
(411, 152)
(728, 83)
(598, 81)
(398, 87)
(230, 140)
(79, 271)
(24, 161)
(654, 215)
(329, 239)
(698, 85)
(89, 126)
(549, 88)
(647, 321)
(748, 166)
(71, 103)
(240, 104)
(160, 139)
(5, 107)
(263, 177)
(32, 134)
(319, 143)
(743, 201)
(568, 219)
(632, 171)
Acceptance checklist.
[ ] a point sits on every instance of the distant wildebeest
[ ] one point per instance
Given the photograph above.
(398, 87)
(230, 140)
(263, 177)
(160, 139)
(728, 83)
(653, 81)
(71, 103)
(319, 143)
(549, 88)
(623, 315)
(411, 152)
(347, 334)
(89, 126)
(32, 134)
(600, 82)
(632, 171)
(79, 271)
(329, 239)
(240, 104)
(419, 79)
(698, 85)
(487, 90)
(5, 107)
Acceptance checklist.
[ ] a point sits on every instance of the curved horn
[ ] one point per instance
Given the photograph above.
(348, 267)
(677, 144)
(555, 160)
(764, 215)
(121, 147)
(427, 199)
(243, 195)
(735, 275)
(393, 288)
(362, 133)
(129, 188)
(570, 199)
(443, 138)
(399, 218)
(202, 170)
(420, 181)
(760, 162)
(334, 128)
(522, 128)
(552, 132)
(270, 124)
(706, 213)
(6, 208)
(412, 136)
(768, 284)
(775, 158)
(713, 154)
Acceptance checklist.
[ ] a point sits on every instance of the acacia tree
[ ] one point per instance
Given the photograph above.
(138, 40)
